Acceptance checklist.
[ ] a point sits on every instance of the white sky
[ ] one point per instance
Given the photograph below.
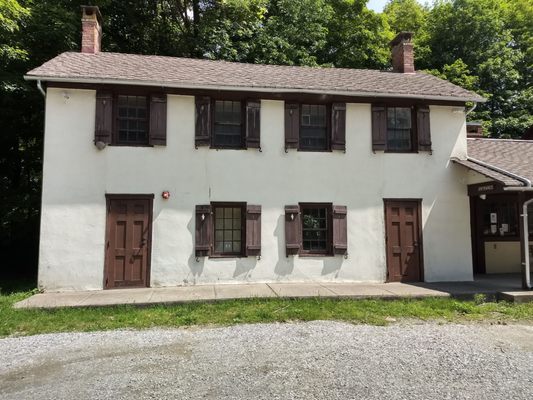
(376, 5)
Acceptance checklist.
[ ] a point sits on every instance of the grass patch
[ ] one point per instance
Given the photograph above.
(376, 312)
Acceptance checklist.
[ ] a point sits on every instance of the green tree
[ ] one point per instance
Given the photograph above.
(410, 16)
(356, 37)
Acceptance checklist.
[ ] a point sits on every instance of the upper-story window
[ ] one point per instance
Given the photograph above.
(400, 128)
(314, 127)
(228, 124)
(132, 120)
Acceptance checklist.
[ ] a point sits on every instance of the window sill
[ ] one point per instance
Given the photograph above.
(315, 151)
(315, 255)
(401, 152)
(227, 148)
(130, 145)
(227, 256)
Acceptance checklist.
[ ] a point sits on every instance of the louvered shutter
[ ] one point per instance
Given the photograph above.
(158, 120)
(103, 128)
(379, 127)
(203, 235)
(340, 230)
(253, 230)
(292, 126)
(423, 130)
(292, 230)
(338, 126)
(253, 124)
(202, 135)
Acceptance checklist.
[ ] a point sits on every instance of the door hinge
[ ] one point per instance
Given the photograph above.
(106, 281)
(107, 244)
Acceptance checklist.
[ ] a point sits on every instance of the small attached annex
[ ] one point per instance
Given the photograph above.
(164, 171)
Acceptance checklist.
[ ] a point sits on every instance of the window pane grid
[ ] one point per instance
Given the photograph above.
(399, 132)
(132, 119)
(228, 230)
(315, 229)
(228, 124)
(313, 127)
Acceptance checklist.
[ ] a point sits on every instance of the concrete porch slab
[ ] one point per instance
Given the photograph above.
(251, 290)
(187, 294)
(291, 290)
(525, 296)
(359, 290)
(182, 294)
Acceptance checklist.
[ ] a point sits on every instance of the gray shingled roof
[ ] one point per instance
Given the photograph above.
(515, 156)
(208, 74)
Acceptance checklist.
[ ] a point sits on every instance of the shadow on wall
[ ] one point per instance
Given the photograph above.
(285, 265)
(243, 266)
(332, 265)
(196, 266)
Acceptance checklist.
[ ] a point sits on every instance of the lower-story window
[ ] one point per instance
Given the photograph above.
(228, 229)
(316, 228)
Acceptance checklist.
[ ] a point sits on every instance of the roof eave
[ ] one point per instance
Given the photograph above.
(29, 77)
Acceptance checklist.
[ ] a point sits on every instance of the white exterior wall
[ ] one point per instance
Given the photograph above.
(77, 176)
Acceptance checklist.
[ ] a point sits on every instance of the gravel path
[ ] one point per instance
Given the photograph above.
(316, 360)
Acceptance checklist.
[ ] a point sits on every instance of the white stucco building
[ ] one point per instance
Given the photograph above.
(164, 171)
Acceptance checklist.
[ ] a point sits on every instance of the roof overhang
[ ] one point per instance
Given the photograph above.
(112, 81)
(509, 180)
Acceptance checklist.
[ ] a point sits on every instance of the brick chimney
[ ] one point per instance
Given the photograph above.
(91, 29)
(402, 53)
(474, 129)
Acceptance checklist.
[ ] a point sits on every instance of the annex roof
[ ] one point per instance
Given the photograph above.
(513, 156)
(175, 72)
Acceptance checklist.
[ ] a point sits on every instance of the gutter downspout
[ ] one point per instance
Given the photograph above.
(525, 232)
(40, 87)
(471, 109)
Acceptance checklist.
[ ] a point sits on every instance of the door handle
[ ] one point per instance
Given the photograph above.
(415, 244)
(143, 242)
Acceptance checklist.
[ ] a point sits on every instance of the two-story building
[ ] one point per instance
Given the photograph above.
(163, 171)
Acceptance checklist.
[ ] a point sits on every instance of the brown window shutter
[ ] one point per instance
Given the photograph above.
(103, 128)
(338, 126)
(202, 135)
(253, 124)
(379, 127)
(292, 125)
(203, 235)
(158, 120)
(423, 130)
(340, 230)
(253, 230)
(292, 230)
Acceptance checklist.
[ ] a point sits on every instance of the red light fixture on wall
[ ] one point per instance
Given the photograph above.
(165, 195)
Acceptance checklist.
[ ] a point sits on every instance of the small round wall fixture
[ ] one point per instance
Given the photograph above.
(100, 145)
(165, 195)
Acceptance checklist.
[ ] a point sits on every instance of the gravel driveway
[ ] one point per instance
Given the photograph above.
(316, 360)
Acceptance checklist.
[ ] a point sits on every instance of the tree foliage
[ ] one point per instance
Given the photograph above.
(482, 45)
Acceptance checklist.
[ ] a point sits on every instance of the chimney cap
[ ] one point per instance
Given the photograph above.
(402, 37)
(90, 10)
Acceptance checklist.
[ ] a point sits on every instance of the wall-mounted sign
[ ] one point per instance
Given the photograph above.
(493, 218)
(484, 188)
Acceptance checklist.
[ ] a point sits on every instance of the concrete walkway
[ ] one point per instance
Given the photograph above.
(186, 294)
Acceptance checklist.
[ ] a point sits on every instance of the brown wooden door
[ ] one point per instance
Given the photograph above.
(404, 240)
(128, 244)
